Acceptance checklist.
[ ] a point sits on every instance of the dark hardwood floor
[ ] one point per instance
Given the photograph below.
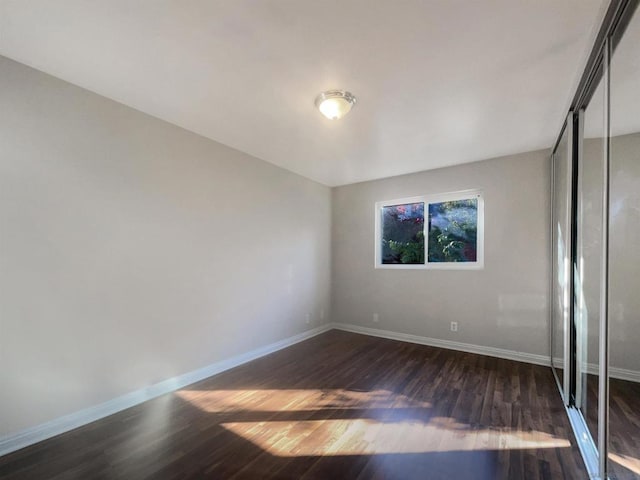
(338, 406)
(624, 425)
(624, 429)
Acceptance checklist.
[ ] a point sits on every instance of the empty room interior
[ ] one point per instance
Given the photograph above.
(280, 239)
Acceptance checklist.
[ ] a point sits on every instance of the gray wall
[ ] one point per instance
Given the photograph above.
(624, 255)
(132, 251)
(624, 251)
(504, 305)
(589, 246)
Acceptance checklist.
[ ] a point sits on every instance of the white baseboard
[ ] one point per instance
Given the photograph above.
(63, 424)
(624, 374)
(559, 362)
(614, 372)
(448, 344)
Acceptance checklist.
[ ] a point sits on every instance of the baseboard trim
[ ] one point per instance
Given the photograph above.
(38, 433)
(614, 372)
(624, 374)
(74, 420)
(448, 344)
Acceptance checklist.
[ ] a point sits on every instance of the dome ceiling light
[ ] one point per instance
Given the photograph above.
(335, 104)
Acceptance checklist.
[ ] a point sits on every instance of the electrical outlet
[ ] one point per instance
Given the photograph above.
(307, 318)
(454, 326)
(376, 317)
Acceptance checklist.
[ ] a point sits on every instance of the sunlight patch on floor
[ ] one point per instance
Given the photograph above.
(219, 401)
(371, 437)
(626, 461)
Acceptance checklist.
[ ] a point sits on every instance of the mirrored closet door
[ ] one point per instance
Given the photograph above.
(561, 239)
(624, 256)
(595, 228)
(589, 257)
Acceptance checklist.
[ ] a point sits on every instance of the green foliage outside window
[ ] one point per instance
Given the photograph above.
(403, 234)
(453, 231)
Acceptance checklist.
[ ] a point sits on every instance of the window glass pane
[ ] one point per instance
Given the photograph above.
(453, 231)
(403, 234)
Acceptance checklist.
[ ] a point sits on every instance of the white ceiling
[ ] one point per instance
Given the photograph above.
(624, 89)
(438, 82)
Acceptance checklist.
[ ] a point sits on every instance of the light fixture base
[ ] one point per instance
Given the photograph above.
(335, 104)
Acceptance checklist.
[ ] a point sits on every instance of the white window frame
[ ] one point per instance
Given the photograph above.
(429, 199)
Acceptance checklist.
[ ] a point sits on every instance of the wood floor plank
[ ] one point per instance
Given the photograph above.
(340, 405)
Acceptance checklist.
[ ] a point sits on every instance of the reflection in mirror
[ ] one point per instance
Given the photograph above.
(560, 254)
(588, 278)
(624, 258)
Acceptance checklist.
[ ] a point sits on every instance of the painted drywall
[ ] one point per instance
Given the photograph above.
(504, 305)
(624, 253)
(589, 244)
(624, 256)
(132, 251)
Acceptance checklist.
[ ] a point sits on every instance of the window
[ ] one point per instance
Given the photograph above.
(450, 236)
(403, 234)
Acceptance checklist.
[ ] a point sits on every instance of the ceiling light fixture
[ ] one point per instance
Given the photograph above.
(335, 104)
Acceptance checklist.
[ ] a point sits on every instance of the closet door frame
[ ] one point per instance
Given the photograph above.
(617, 17)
